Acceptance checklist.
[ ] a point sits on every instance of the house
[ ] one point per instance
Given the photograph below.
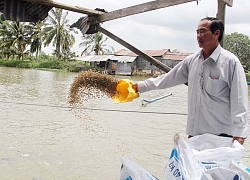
(140, 64)
(100, 61)
(111, 64)
(125, 62)
(122, 65)
(172, 59)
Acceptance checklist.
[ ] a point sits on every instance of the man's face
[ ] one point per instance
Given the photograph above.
(205, 37)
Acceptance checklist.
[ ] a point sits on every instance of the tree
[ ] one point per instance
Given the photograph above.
(1, 27)
(95, 43)
(176, 51)
(15, 37)
(58, 30)
(36, 38)
(239, 44)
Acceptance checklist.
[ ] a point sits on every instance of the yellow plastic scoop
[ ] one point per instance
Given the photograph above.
(125, 92)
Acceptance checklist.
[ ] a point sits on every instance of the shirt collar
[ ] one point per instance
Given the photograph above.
(214, 55)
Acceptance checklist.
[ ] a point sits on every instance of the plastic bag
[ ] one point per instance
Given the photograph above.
(215, 151)
(205, 157)
(183, 164)
(130, 170)
(245, 171)
(221, 173)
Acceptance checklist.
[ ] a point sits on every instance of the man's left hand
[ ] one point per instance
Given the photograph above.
(239, 139)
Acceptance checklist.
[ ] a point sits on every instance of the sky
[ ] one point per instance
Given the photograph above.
(167, 28)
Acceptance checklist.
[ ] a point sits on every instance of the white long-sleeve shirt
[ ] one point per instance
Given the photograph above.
(217, 92)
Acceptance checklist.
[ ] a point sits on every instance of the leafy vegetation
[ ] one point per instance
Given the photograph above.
(72, 66)
(239, 44)
(57, 31)
(95, 43)
(20, 41)
(248, 76)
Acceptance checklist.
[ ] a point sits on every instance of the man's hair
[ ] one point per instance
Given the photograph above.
(216, 24)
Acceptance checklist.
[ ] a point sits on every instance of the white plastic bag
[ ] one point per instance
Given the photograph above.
(130, 170)
(222, 173)
(183, 164)
(205, 157)
(245, 171)
(219, 156)
(215, 151)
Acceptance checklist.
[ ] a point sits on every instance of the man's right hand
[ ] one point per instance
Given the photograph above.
(239, 139)
(135, 87)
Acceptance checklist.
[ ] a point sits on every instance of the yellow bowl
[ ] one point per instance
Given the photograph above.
(125, 92)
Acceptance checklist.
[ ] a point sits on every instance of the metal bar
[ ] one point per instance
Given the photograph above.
(148, 58)
(140, 8)
(66, 7)
(155, 99)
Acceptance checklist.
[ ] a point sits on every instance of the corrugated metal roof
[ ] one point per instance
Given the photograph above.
(96, 58)
(18, 10)
(153, 53)
(124, 52)
(84, 58)
(123, 59)
(157, 53)
(176, 56)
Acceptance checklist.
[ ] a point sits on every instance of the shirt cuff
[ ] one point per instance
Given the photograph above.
(240, 132)
(142, 87)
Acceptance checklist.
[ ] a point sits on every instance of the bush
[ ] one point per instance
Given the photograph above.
(72, 66)
(248, 76)
(48, 64)
(15, 63)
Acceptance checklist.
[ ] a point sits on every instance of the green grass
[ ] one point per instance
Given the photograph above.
(72, 66)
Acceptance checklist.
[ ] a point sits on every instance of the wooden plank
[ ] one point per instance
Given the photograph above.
(149, 6)
(148, 58)
(221, 13)
(228, 2)
(66, 7)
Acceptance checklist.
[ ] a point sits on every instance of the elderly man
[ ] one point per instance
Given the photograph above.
(217, 88)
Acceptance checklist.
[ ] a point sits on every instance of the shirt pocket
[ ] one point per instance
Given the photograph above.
(216, 87)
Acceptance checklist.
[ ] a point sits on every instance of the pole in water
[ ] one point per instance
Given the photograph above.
(155, 99)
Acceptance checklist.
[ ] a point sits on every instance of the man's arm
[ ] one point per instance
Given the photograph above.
(239, 103)
(177, 75)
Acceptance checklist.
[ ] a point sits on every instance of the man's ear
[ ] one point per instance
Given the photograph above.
(217, 33)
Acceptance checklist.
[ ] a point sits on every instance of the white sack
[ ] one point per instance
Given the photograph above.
(132, 171)
(183, 164)
(216, 149)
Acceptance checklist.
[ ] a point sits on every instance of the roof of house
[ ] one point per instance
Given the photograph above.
(91, 58)
(176, 56)
(96, 58)
(123, 59)
(153, 53)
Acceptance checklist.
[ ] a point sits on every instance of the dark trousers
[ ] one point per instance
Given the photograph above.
(222, 134)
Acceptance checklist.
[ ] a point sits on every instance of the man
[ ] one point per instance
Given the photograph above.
(217, 88)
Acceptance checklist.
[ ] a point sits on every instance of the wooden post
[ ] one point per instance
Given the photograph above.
(140, 8)
(221, 15)
(66, 7)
